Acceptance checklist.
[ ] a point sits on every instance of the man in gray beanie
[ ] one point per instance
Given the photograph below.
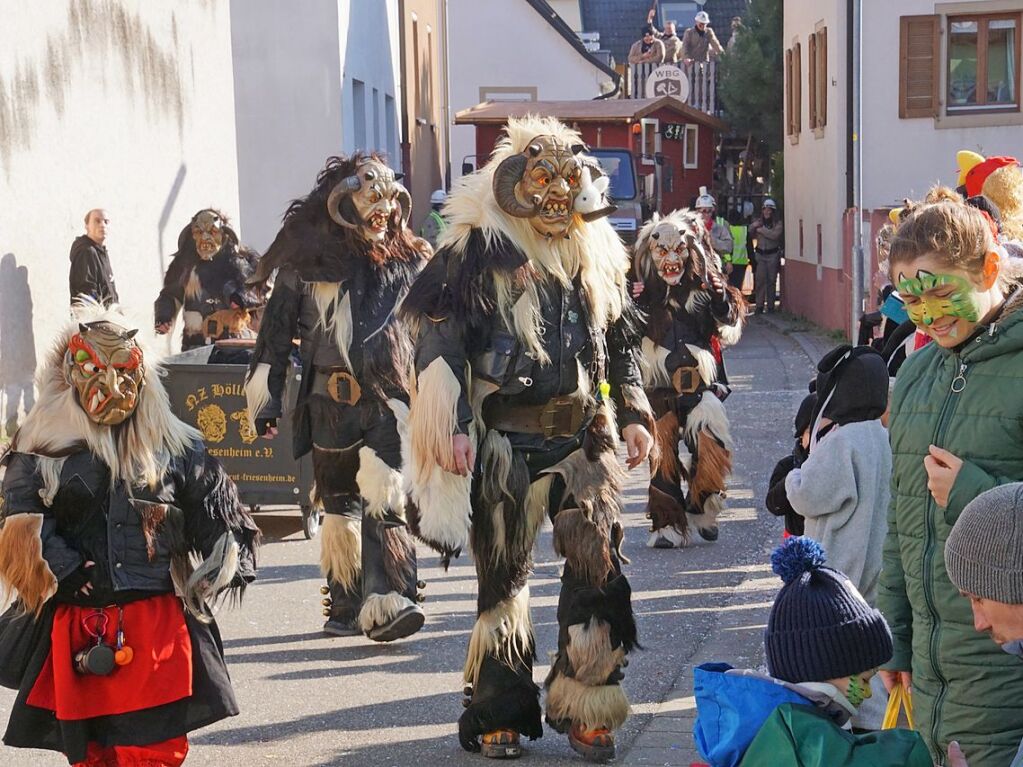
(984, 560)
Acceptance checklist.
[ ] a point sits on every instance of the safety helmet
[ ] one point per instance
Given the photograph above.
(702, 18)
(769, 203)
(705, 200)
(438, 197)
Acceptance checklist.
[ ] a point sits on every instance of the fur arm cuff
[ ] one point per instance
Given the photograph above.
(22, 566)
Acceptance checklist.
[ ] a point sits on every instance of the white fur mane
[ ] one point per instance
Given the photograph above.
(593, 251)
(138, 451)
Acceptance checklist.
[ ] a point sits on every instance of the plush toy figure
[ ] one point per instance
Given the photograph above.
(1000, 179)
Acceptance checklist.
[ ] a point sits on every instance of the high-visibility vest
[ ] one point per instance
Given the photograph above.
(739, 253)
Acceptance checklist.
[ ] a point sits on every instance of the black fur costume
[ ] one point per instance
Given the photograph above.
(337, 292)
(476, 373)
(202, 288)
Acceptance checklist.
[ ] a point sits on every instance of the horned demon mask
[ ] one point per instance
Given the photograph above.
(104, 365)
(369, 200)
(675, 248)
(208, 233)
(542, 184)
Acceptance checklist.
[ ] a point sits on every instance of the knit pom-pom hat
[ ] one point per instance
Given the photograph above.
(820, 627)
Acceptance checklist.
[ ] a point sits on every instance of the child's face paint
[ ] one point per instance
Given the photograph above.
(929, 297)
(859, 689)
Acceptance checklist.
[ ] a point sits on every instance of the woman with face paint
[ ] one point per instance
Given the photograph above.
(955, 433)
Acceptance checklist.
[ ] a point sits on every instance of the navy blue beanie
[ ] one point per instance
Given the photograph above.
(820, 627)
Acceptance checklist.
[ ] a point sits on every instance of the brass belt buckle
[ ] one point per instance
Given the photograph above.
(343, 388)
(561, 417)
(686, 380)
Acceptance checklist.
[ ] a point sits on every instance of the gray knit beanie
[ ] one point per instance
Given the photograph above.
(984, 551)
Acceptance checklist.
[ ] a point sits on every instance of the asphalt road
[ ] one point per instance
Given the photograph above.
(308, 700)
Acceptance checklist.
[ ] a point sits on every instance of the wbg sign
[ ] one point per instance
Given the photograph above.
(667, 80)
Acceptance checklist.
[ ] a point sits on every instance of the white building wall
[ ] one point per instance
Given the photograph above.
(294, 67)
(121, 104)
(507, 44)
(904, 158)
(815, 183)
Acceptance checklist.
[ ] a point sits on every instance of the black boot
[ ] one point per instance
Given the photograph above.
(503, 699)
(342, 610)
(390, 608)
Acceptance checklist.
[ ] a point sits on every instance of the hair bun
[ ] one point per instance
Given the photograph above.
(797, 556)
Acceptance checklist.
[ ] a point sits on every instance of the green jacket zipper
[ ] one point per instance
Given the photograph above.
(955, 388)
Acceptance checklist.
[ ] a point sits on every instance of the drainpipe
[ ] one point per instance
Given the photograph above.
(447, 101)
(857, 169)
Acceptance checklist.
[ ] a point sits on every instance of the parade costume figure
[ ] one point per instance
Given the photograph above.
(108, 502)
(524, 336)
(206, 280)
(691, 313)
(346, 258)
(1000, 179)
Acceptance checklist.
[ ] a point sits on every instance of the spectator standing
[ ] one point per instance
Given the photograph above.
(841, 489)
(768, 233)
(672, 44)
(739, 260)
(777, 501)
(91, 275)
(737, 29)
(720, 233)
(984, 559)
(648, 50)
(434, 225)
(699, 43)
(955, 433)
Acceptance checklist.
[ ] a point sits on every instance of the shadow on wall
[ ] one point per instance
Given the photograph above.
(17, 342)
(100, 28)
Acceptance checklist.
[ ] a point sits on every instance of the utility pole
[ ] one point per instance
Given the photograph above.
(857, 168)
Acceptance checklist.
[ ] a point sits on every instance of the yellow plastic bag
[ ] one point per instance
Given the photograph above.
(899, 700)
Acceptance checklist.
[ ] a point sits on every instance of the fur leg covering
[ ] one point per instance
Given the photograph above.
(439, 511)
(503, 698)
(380, 609)
(667, 517)
(504, 633)
(341, 550)
(571, 701)
(707, 428)
(257, 391)
(22, 567)
(380, 486)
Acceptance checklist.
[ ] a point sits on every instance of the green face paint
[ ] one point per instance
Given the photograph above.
(956, 297)
(858, 691)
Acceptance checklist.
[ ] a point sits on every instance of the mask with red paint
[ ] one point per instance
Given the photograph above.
(104, 365)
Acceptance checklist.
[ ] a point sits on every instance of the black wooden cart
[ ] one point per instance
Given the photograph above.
(211, 397)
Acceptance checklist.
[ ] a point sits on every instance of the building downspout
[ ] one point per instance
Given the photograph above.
(447, 100)
(857, 169)
(406, 138)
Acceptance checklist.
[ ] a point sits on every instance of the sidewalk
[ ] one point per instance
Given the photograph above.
(737, 634)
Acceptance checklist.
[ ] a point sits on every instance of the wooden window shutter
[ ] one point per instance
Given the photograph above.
(811, 74)
(919, 65)
(822, 78)
(797, 88)
(789, 122)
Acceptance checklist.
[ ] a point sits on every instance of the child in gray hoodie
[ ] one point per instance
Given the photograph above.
(842, 489)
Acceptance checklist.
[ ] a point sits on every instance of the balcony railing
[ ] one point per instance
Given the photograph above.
(702, 77)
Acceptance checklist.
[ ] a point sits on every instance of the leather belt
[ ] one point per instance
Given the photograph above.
(557, 417)
(338, 384)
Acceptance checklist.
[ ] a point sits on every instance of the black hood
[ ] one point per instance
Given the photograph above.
(81, 244)
(804, 414)
(852, 385)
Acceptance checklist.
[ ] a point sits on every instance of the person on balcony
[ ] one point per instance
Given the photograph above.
(672, 43)
(649, 50)
(699, 43)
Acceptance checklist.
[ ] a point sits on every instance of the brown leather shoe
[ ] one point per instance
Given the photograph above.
(597, 745)
(501, 744)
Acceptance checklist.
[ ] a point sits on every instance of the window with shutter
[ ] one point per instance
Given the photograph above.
(919, 62)
(822, 77)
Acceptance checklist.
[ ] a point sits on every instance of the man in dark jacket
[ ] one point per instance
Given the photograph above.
(91, 274)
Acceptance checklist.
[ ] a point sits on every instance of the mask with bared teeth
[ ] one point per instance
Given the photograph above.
(370, 201)
(670, 250)
(541, 184)
(104, 365)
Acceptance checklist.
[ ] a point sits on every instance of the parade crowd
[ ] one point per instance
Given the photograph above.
(454, 393)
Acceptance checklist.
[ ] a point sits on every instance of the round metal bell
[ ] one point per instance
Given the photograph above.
(326, 602)
(326, 611)
(324, 590)
(420, 584)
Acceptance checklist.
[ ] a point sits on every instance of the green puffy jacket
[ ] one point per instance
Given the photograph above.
(970, 403)
(801, 736)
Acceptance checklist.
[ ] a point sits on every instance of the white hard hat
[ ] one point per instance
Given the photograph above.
(705, 200)
(702, 18)
(438, 197)
(769, 203)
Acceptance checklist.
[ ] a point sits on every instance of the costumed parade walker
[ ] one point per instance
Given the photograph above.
(207, 281)
(108, 503)
(692, 312)
(525, 365)
(345, 258)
